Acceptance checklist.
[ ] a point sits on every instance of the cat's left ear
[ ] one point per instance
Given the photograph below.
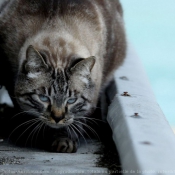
(84, 67)
(34, 61)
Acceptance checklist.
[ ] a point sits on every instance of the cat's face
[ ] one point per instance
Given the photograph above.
(58, 97)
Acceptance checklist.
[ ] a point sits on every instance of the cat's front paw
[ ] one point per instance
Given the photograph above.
(64, 145)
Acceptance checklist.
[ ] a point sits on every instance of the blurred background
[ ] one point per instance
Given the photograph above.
(150, 26)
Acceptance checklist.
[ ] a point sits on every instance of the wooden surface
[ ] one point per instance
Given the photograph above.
(144, 138)
(15, 160)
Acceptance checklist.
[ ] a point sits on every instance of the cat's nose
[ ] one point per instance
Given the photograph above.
(57, 114)
(57, 119)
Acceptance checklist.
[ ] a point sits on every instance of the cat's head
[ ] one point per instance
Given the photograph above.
(56, 96)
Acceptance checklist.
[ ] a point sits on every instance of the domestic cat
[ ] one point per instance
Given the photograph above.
(55, 58)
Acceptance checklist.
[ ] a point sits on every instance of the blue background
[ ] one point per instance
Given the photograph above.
(150, 26)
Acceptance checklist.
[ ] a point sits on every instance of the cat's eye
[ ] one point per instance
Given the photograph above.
(72, 100)
(44, 98)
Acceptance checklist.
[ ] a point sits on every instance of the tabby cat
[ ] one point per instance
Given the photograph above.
(56, 56)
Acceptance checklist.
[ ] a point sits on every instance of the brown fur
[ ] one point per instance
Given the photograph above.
(62, 49)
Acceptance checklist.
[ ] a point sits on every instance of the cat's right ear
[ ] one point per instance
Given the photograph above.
(84, 67)
(34, 61)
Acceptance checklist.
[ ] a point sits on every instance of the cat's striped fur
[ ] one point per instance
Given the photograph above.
(59, 55)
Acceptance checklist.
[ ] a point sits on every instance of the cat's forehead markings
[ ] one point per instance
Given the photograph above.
(55, 62)
(62, 49)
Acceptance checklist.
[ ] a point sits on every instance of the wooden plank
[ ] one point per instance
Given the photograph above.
(32, 161)
(145, 140)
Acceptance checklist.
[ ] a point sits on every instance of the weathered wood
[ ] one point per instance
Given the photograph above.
(18, 160)
(145, 140)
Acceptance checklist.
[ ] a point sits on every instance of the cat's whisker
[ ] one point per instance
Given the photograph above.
(79, 132)
(37, 128)
(90, 121)
(75, 134)
(88, 118)
(43, 118)
(83, 130)
(34, 112)
(69, 133)
(42, 124)
(23, 112)
(91, 129)
(25, 123)
(45, 125)
(96, 108)
(26, 130)
(32, 135)
(33, 131)
(18, 114)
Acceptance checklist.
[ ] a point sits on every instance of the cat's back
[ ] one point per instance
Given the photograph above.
(99, 21)
(27, 17)
(45, 8)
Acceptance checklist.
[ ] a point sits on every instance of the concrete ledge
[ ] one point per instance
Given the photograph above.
(144, 138)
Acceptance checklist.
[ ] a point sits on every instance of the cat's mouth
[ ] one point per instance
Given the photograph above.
(64, 122)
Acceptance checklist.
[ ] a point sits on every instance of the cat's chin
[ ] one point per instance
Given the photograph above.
(58, 125)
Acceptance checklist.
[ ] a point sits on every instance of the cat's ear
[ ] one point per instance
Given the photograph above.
(85, 66)
(34, 61)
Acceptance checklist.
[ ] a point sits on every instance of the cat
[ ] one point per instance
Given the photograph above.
(56, 57)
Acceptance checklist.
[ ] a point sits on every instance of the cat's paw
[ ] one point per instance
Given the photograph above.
(64, 145)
